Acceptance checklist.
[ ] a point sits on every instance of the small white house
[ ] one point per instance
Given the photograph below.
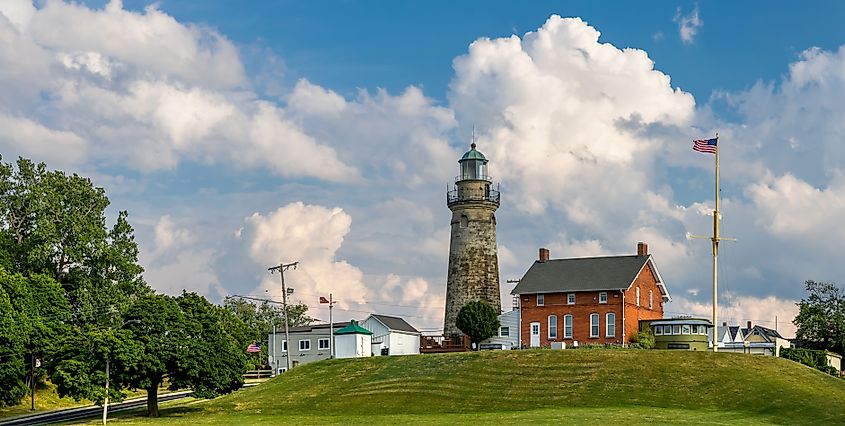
(392, 335)
(353, 341)
(507, 336)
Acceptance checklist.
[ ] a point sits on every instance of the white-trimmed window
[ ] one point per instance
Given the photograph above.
(638, 297)
(610, 325)
(694, 329)
(504, 331)
(305, 345)
(567, 326)
(541, 300)
(650, 299)
(552, 327)
(667, 330)
(676, 329)
(603, 297)
(658, 330)
(284, 345)
(323, 343)
(685, 329)
(594, 325)
(570, 299)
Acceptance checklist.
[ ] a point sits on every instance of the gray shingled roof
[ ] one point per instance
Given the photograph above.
(394, 323)
(582, 274)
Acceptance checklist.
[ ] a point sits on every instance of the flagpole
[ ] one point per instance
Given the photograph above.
(331, 327)
(716, 254)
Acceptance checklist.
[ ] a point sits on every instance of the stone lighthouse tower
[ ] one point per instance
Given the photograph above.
(473, 262)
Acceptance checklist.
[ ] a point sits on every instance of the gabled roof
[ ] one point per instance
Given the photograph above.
(395, 323)
(766, 332)
(586, 274)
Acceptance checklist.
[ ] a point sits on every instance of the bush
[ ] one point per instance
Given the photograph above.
(809, 357)
(642, 340)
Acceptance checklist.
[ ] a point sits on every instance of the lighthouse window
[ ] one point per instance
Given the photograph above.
(493, 218)
(464, 221)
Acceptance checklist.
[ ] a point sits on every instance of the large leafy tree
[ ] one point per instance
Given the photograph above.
(187, 341)
(12, 365)
(34, 315)
(55, 224)
(478, 320)
(63, 271)
(821, 317)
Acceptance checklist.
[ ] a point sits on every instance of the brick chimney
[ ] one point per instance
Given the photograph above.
(749, 325)
(642, 249)
(544, 254)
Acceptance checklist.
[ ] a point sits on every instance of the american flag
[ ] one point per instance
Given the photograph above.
(323, 300)
(707, 146)
(253, 348)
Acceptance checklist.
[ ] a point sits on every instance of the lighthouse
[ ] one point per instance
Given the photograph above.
(473, 261)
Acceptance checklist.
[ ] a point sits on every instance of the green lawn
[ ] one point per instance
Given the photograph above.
(538, 386)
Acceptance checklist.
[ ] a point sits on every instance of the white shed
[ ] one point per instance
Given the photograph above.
(393, 335)
(353, 341)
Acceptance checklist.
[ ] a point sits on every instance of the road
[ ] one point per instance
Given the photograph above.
(94, 410)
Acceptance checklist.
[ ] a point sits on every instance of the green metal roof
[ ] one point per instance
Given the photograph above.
(353, 328)
(473, 154)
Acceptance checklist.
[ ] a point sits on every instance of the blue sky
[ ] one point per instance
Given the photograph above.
(326, 132)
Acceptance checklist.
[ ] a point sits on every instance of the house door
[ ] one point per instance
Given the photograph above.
(535, 334)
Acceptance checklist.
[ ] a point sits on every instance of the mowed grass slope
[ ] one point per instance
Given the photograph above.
(537, 385)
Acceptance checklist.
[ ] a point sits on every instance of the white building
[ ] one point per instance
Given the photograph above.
(756, 340)
(309, 343)
(392, 335)
(353, 341)
(507, 336)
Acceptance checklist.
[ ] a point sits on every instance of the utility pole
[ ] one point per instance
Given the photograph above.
(281, 268)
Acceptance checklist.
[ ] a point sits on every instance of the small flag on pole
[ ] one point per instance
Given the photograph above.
(323, 300)
(253, 348)
(707, 146)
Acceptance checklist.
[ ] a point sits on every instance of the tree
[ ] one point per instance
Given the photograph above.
(35, 314)
(260, 318)
(60, 267)
(54, 224)
(478, 320)
(821, 317)
(12, 365)
(188, 341)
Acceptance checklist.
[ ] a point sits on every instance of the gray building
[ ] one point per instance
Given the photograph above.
(473, 261)
(308, 344)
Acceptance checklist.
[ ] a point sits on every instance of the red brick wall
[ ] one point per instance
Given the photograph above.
(646, 282)
(587, 303)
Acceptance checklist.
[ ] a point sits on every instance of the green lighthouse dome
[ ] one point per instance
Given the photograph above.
(473, 154)
(473, 165)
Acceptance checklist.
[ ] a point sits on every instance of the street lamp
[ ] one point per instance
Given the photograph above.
(106, 402)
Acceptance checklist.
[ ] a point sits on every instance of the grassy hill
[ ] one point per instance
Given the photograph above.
(540, 386)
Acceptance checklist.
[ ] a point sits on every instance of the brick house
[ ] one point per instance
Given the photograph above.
(588, 299)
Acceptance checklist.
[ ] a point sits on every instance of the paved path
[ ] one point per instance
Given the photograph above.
(94, 410)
